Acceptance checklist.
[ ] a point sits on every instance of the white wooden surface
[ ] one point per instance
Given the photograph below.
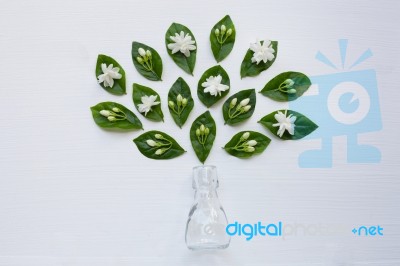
(74, 194)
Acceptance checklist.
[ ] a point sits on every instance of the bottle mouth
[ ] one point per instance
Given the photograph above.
(205, 176)
(204, 167)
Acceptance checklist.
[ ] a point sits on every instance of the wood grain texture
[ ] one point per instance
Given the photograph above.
(72, 193)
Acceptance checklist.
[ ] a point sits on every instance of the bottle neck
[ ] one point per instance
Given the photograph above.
(205, 194)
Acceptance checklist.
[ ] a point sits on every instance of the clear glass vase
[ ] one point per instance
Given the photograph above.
(205, 228)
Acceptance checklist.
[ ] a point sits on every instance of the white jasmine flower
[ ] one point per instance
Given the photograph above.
(246, 135)
(252, 143)
(151, 143)
(147, 103)
(109, 74)
(213, 85)
(284, 123)
(262, 52)
(111, 118)
(182, 43)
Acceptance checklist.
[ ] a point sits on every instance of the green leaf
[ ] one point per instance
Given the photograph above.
(222, 45)
(238, 146)
(202, 144)
(125, 119)
(234, 113)
(180, 112)
(166, 145)
(119, 87)
(139, 91)
(206, 98)
(152, 67)
(303, 125)
(186, 63)
(287, 86)
(250, 69)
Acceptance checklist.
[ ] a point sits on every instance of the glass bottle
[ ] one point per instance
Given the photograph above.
(205, 228)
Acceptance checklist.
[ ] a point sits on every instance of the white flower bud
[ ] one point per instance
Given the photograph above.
(251, 143)
(245, 135)
(245, 102)
(105, 113)
(139, 59)
(198, 132)
(158, 136)
(249, 149)
(184, 102)
(142, 52)
(229, 32)
(111, 118)
(246, 108)
(151, 143)
(171, 104)
(202, 128)
(291, 91)
(116, 109)
(207, 131)
(223, 29)
(179, 98)
(289, 82)
(233, 103)
(148, 53)
(216, 32)
(159, 151)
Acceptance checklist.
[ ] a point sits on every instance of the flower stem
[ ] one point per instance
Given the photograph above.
(179, 111)
(235, 114)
